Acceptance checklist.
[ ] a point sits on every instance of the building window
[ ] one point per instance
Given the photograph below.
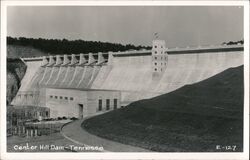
(115, 103)
(161, 58)
(55, 97)
(71, 98)
(165, 58)
(155, 46)
(51, 96)
(66, 98)
(107, 104)
(155, 52)
(155, 58)
(161, 46)
(61, 97)
(46, 113)
(156, 64)
(161, 52)
(155, 69)
(100, 105)
(161, 69)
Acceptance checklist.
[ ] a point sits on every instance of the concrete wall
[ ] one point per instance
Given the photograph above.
(67, 102)
(94, 96)
(33, 70)
(60, 103)
(131, 72)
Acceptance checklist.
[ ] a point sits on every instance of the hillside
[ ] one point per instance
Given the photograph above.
(17, 51)
(64, 46)
(193, 118)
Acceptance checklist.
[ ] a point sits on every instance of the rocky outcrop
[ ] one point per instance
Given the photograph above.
(16, 68)
(15, 72)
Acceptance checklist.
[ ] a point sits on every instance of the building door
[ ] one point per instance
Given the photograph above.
(80, 111)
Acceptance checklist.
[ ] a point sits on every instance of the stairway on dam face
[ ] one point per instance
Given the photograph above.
(86, 77)
(76, 77)
(94, 74)
(53, 76)
(46, 76)
(34, 83)
(68, 76)
(101, 77)
(60, 76)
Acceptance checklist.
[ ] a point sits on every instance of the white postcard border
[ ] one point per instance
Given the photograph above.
(151, 155)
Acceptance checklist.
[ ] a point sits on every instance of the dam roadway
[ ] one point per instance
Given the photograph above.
(75, 133)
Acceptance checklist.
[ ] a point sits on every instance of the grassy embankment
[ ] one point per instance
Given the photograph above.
(193, 118)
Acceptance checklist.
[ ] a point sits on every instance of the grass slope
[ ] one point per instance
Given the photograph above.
(193, 118)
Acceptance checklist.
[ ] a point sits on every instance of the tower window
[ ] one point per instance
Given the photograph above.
(155, 58)
(156, 64)
(155, 52)
(115, 103)
(155, 69)
(155, 46)
(100, 105)
(107, 104)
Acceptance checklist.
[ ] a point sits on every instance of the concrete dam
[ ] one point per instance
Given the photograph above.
(84, 84)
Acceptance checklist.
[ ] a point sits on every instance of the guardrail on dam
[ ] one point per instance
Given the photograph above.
(136, 74)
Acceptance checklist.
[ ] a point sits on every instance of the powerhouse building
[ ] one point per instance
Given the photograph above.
(86, 84)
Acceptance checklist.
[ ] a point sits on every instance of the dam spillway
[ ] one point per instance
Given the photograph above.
(130, 75)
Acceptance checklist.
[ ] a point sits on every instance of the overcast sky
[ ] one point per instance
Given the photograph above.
(179, 26)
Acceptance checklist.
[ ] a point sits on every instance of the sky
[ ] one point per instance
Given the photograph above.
(177, 25)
